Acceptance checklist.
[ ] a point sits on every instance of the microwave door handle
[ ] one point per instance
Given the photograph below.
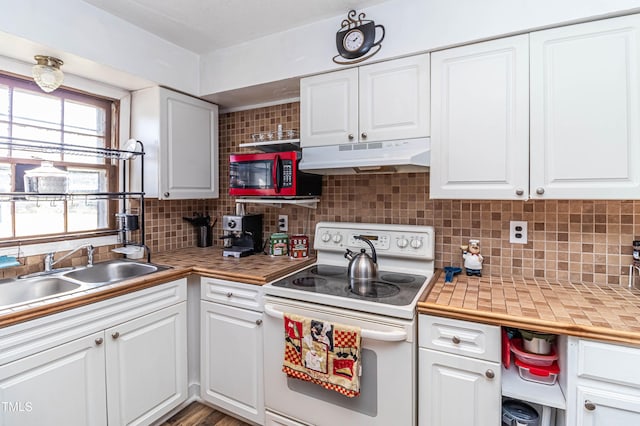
(278, 172)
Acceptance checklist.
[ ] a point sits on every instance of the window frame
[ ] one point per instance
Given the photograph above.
(110, 167)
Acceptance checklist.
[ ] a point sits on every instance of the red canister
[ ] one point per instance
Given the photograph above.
(299, 246)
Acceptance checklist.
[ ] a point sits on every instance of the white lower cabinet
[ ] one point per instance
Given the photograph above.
(459, 373)
(146, 366)
(64, 385)
(604, 384)
(457, 390)
(231, 351)
(130, 369)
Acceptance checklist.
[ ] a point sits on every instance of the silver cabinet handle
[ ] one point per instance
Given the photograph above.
(364, 135)
(455, 339)
(258, 322)
(589, 406)
(490, 374)
(519, 191)
(99, 341)
(115, 335)
(229, 294)
(166, 194)
(350, 136)
(540, 191)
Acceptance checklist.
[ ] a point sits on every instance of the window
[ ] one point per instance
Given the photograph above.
(31, 118)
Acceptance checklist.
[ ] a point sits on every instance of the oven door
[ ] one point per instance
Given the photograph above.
(387, 384)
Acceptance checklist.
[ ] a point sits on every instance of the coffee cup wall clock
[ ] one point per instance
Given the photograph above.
(356, 39)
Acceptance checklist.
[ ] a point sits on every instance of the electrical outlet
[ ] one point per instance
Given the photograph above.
(283, 223)
(518, 232)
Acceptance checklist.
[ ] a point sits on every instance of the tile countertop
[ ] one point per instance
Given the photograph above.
(255, 269)
(608, 313)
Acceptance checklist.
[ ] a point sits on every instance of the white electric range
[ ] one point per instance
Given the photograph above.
(386, 315)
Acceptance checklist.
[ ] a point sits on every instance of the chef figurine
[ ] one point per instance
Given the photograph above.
(472, 258)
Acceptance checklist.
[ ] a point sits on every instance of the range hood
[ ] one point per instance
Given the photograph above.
(404, 155)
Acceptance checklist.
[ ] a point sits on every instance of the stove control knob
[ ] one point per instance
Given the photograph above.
(337, 238)
(326, 237)
(402, 242)
(416, 244)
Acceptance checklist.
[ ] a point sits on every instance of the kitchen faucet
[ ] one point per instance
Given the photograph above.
(49, 262)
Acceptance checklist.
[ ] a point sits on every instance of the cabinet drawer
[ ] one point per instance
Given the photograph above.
(231, 293)
(460, 337)
(609, 362)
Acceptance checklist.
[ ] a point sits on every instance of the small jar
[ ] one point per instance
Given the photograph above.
(636, 250)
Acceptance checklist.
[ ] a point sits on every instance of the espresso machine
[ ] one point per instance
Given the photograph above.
(243, 234)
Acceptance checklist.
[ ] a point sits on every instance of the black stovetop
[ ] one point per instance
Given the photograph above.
(393, 288)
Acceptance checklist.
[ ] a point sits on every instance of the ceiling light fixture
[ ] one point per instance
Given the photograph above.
(46, 72)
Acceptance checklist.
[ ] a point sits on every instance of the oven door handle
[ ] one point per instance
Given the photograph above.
(385, 336)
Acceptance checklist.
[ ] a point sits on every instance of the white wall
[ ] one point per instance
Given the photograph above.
(412, 26)
(99, 45)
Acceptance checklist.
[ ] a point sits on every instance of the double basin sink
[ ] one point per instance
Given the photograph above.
(19, 291)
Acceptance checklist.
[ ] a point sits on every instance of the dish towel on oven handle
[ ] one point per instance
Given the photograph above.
(322, 352)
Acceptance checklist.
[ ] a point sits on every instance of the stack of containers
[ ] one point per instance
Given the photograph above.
(536, 357)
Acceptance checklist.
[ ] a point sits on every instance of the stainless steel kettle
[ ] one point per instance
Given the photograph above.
(361, 265)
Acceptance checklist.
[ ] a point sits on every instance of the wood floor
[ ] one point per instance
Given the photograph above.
(197, 414)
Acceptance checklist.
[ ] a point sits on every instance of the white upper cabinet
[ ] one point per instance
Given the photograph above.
(329, 108)
(384, 101)
(180, 135)
(549, 115)
(480, 120)
(585, 96)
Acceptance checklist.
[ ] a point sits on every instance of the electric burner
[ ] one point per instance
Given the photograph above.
(308, 281)
(328, 270)
(378, 289)
(397, 278)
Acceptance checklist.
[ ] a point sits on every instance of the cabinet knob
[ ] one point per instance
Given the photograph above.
(115, 335)
(258, 322)
(455, 339)
(364, 135)
(99, 341)
(589, 406)
(350, 136)
(519, 191)
(490, 374)
(229, 294)
(166, 194)
(540, 190)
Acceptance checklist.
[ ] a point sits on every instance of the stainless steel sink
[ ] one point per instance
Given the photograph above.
(14, 292)
(111, 271)
(30, 288)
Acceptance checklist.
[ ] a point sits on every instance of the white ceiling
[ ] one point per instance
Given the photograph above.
(205, 25)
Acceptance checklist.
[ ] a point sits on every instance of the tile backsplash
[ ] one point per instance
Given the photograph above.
(580, 241)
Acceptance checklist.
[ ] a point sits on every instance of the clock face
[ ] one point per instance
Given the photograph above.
(353, 40)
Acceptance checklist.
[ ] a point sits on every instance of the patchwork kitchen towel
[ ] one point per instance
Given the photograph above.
(322, 352)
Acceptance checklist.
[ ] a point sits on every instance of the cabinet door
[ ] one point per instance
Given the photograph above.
(599, 407)
(231, 360)
(394, 99)
(64, 385)
(146, 364)
(329, 108)
(458, 391)
(480, 120)
(585, 95)
(189, 154)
